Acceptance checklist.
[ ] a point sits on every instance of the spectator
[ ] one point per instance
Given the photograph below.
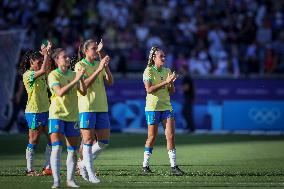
(248, 25)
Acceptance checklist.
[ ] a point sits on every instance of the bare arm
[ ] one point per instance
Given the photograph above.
(108, 77)
(43, 67)
(153, 88)
(81, 87)
(90, 80)
(61, 91)
(171, 88)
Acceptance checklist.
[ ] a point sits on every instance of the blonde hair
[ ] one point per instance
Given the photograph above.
(151, 56)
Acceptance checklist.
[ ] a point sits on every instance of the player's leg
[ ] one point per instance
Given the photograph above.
(46, 166)
(102, 132)
(72, 134)
(169, 126)
(56, 131)
(152, 118)
(80, 161)
(34, 135)
(87, 123)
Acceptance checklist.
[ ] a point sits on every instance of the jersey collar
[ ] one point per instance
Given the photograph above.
(59, 71)
(89, 63)
(159, 70)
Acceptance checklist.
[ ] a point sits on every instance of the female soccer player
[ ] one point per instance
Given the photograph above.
(158, 82)
(93, 108)
(34, 68)
(63, 114)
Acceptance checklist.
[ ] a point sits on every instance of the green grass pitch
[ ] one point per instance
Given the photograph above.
(210, 161)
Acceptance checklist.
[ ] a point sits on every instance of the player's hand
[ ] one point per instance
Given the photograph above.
(171, 77)
(107, 60)
(103, 63)
(175, 77)
(46, 49)
(100, 46)
(80, 73)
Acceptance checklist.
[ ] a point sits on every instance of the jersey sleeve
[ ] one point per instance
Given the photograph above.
(29, 78)
(147, 76)
(52, 81)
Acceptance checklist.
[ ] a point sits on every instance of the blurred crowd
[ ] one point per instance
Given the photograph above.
(207, 37)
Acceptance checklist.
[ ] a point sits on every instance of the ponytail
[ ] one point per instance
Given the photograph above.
(151, 56)
(81, 53)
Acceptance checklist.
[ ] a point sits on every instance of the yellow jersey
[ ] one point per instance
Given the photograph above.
(160, 99)
(36, 88)
(95, 100)
(66, 107)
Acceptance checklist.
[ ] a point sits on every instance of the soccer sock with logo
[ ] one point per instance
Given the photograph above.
(147, 156)
(98, 147)
(88, 160)
(71, 162)
(30, 156)
(55, 160)
(47, 153)
(172, 157)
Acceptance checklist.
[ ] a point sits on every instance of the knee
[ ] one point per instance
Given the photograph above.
(151, 139)
(34, 140)
(170, 135)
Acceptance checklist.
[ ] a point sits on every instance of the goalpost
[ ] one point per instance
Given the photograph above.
(10, 47)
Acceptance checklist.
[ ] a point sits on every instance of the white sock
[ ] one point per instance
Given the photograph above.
(47, 156)
(147, 156)
(71, 164)
(55, 158)
(172, 157)
(30, 159)
(97, 148)
(88, 160)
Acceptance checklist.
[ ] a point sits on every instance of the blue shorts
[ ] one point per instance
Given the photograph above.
(155, 117)
(69, 129)
(36, 119)
(97, 120)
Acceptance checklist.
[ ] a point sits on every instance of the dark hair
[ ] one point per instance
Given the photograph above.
(25, 63)
(151, 56)
(83, 47)
(54, 55)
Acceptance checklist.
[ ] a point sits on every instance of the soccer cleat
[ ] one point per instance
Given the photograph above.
(176, 171)
(146, 170)
(82, 170)
(56, 185)
(46, 172)
(72, 184)
(31, 173)
(94, 180)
